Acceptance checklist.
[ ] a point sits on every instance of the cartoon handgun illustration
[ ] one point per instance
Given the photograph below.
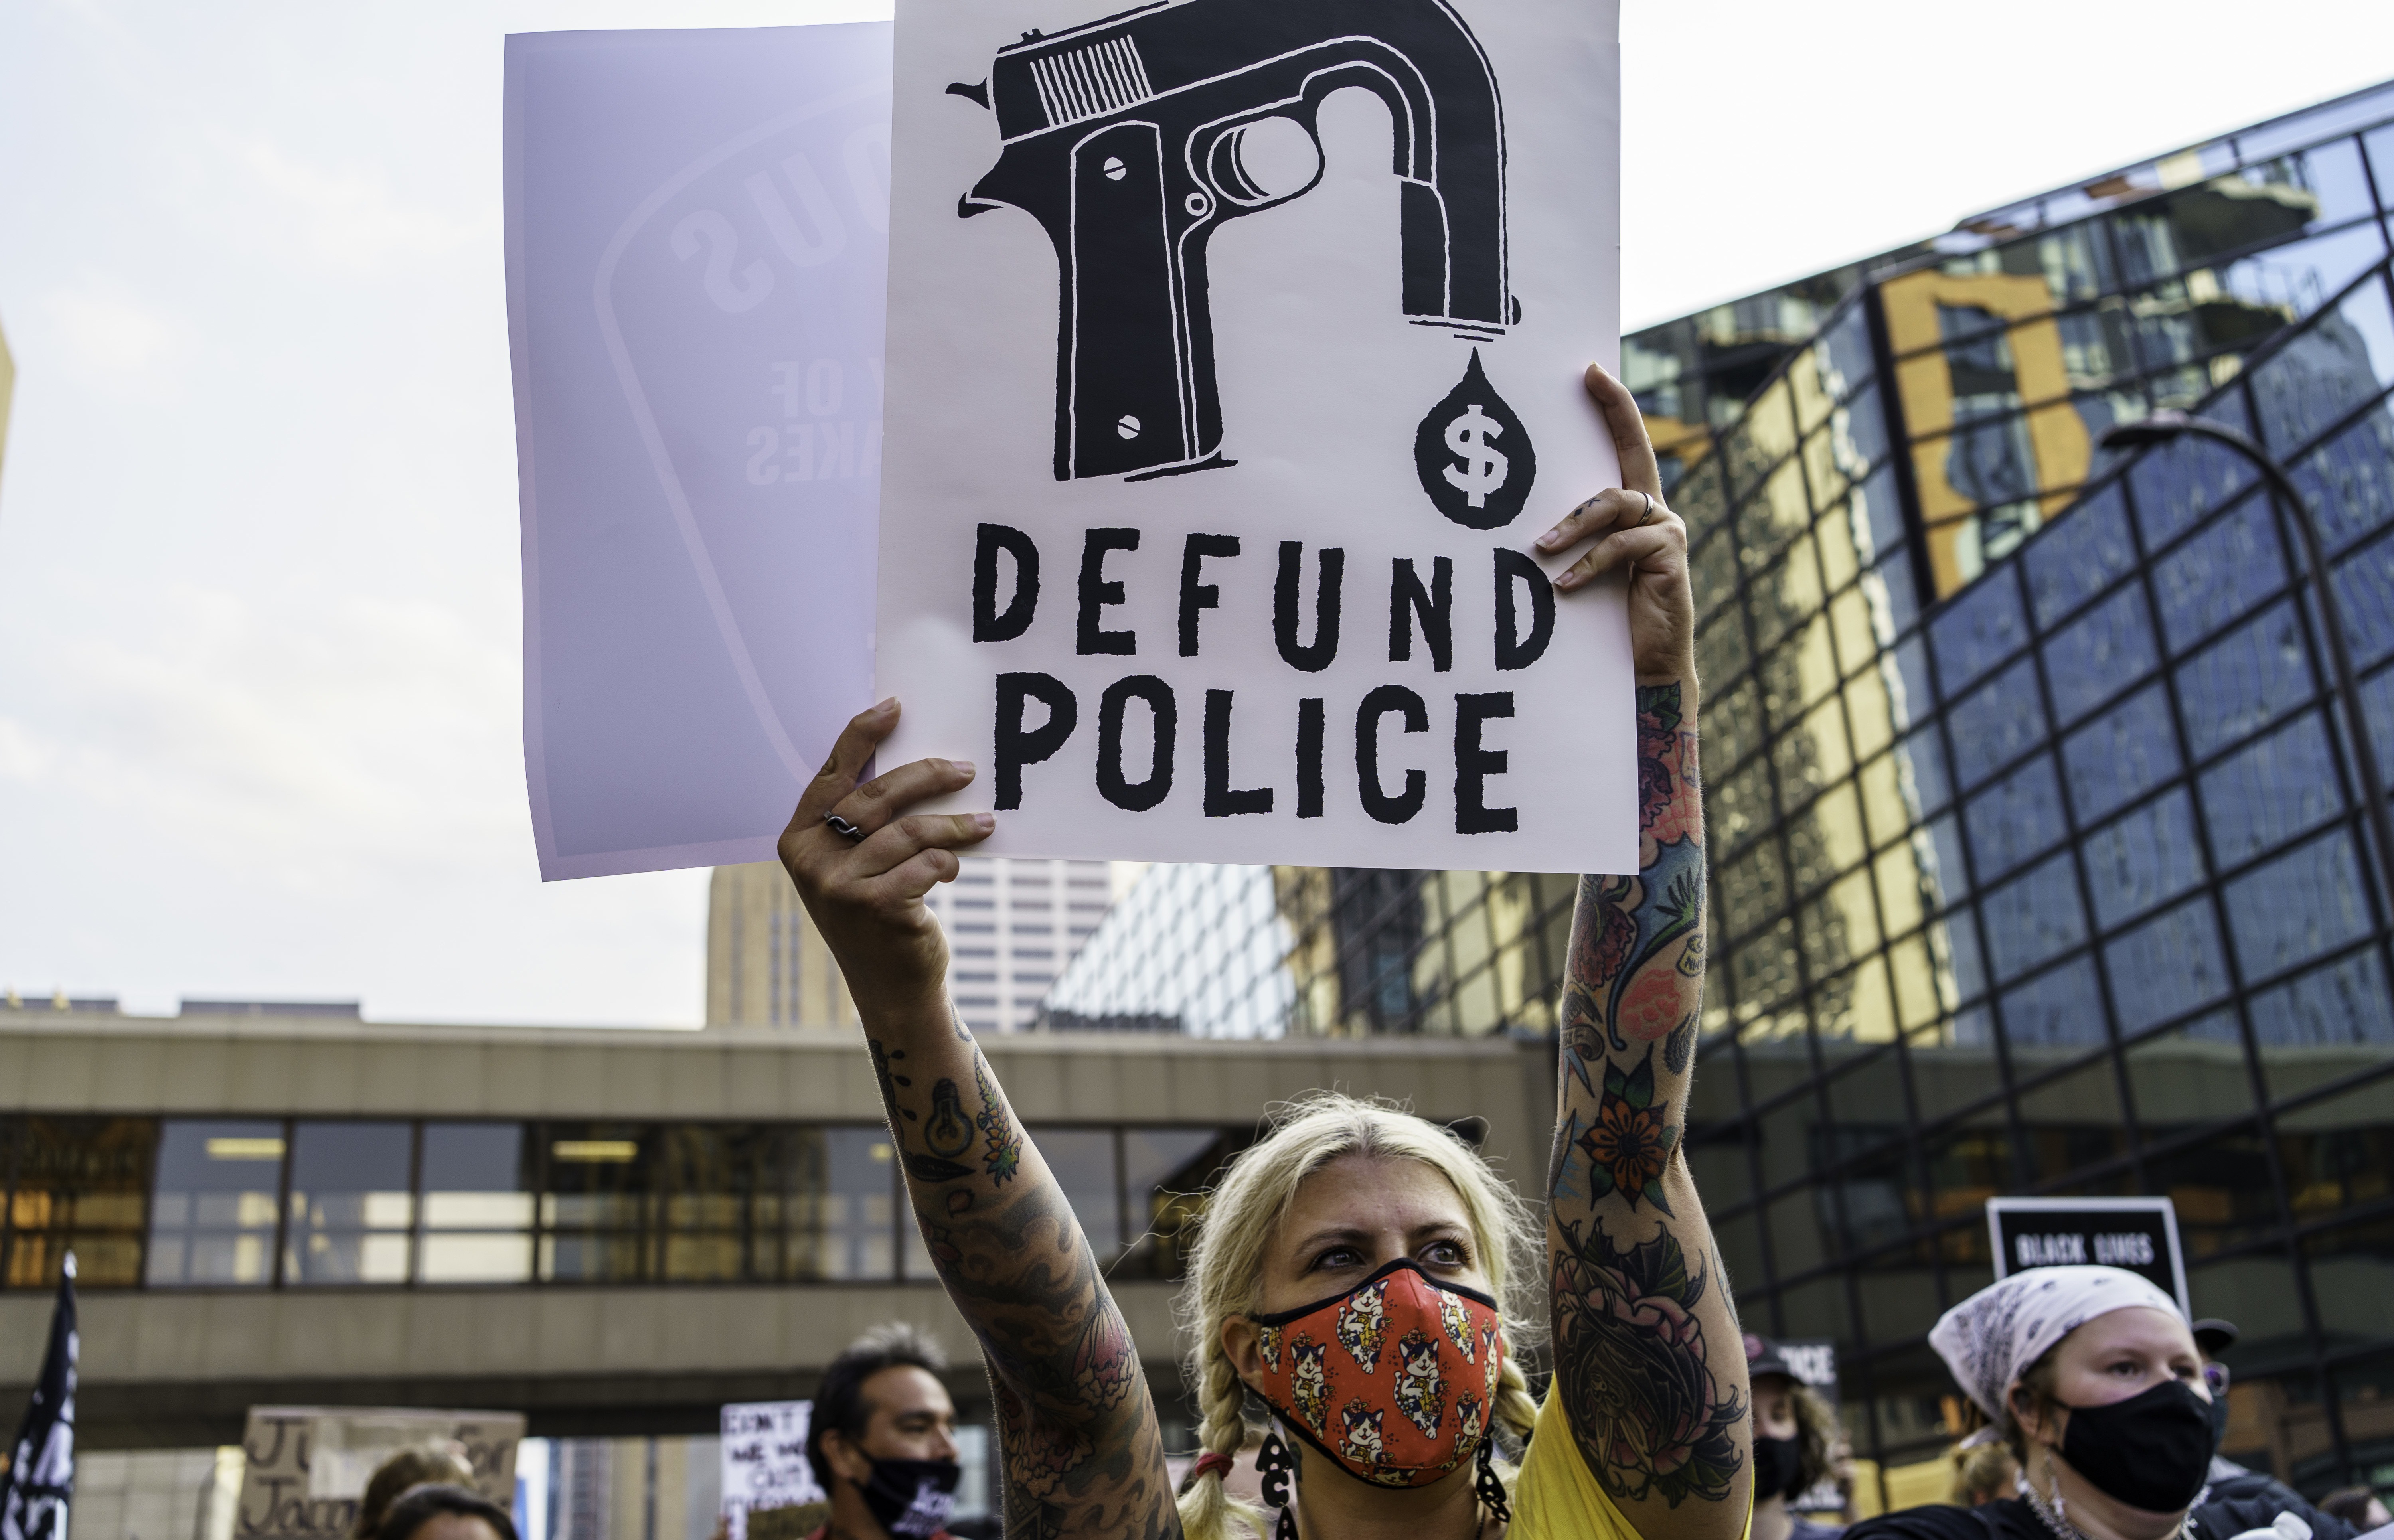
(1132, 138)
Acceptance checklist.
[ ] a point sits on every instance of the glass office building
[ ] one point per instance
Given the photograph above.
(2009, 344)
(2039, 859)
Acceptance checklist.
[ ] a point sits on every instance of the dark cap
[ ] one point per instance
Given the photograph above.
(2215, 1335)
(1762, 1358)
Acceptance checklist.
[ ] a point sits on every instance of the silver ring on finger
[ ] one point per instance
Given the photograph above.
(841, 827)
(1646, 516)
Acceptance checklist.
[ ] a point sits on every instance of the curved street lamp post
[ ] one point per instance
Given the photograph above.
(2164, 425)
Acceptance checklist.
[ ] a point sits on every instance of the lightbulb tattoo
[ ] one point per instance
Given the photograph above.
(1076, 1429)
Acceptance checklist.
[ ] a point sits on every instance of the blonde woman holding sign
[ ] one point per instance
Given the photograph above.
(1361, 1272)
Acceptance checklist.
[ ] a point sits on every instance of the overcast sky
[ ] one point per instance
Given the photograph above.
(259, 579)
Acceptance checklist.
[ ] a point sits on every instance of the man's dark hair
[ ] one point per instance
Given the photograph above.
(419, 1506)
(839, 1399)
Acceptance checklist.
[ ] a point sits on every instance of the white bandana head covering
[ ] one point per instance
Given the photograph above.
(1989, 1339)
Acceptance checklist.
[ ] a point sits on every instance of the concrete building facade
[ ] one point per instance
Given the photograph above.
(661, 1222)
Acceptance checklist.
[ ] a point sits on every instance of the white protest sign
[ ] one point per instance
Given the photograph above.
(696, 229)
(765, 1459)
(1234, 362)
(304, 1467)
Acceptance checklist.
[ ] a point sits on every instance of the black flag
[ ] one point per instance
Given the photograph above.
(40, 1483)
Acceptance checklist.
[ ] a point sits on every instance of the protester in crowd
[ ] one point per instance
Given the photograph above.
(1795, 1441)
(2092, 1377)
(2214, 1336)
(1984, 1470)
(2230, 1480)
(414, 1466)
(2358, 1505)
(1354, 1236)
(882, 1439)
(440, 1511)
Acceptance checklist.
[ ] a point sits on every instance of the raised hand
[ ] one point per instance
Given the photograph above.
(1645, 537)
(1648, 1361)
(866, 895)
(1083, 1454)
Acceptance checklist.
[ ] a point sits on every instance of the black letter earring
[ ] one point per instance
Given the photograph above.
(1491, 1491)
(1274, 1464)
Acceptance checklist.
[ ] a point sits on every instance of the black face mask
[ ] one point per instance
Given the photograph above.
(913, 1497)
(2151, 1450)
(1775, 1461)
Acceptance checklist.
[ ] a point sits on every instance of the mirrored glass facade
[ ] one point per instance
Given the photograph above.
(2006, 346)
(2039, 862)
(2060, 886)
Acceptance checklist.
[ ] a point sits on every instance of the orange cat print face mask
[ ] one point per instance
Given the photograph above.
(1392, 1379)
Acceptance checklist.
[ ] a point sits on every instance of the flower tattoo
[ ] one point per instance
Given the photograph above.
(1003, 1157)
(1626, 1318)
(1629, 1146)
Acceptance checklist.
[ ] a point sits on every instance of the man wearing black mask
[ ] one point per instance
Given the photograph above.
(882, 1439)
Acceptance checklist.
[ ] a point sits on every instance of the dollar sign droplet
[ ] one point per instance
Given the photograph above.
(1468, 438)
(1468, 478)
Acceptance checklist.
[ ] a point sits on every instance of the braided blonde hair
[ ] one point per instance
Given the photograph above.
(1244, 1209)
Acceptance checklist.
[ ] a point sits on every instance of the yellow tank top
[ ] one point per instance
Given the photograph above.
(1556, 1496)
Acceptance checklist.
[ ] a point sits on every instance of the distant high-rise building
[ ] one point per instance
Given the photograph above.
(765, 963)
(1012, 925)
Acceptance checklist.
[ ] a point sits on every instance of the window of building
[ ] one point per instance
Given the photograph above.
(728, 1190)
(351, 1204)
(212, 1215)
(1165, 1173)
(850, 1230)
(478, 1204)
(76, 1184)
(596, 1203)
(1083, 1160)
(463, 1204)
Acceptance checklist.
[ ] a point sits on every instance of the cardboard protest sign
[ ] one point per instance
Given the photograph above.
(765, 1465)
(696, 228)
(305, 1466)
(1234, 363)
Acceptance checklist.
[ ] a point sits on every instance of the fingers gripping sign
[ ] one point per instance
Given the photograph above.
(864, 890)
(1634, 531)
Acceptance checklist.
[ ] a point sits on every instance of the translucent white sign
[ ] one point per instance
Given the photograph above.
(696, 239)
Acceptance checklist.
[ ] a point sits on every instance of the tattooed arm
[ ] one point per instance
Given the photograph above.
(1649, 1360)
(1083, 1451)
